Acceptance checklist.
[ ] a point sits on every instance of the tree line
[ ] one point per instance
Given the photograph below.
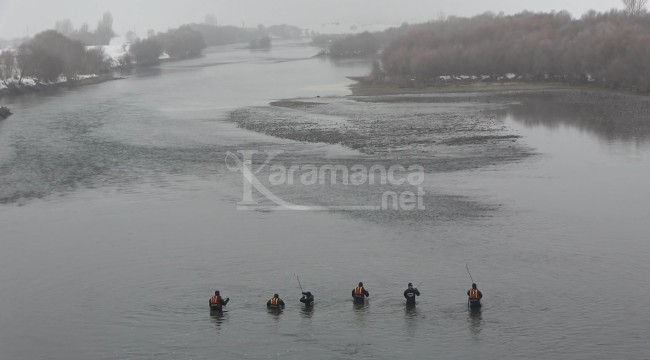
(355, 45)
(611, 49)
(182, 43)
(69, 52)
(102, 34)
(362, 44)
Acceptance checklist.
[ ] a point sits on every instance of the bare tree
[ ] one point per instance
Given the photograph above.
(635, 7)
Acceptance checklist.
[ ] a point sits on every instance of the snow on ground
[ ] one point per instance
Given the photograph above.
(117, 49)
(113, 52)
(84, 77)
(30, 81)
(27, 81)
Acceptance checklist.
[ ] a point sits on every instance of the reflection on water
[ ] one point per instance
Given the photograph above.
(411, 318)
(307, 312)
(218, 317)
(475, 320)
(274, 312)
(360, 310)
(609, 116)
(410, 310)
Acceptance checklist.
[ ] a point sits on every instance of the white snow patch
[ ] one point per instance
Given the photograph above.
(84, 77)
(113, 52)
(28, 81)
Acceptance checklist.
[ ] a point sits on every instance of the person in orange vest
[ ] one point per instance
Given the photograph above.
(359, 293)
(475, 296)
(217, 302)
(275, 302)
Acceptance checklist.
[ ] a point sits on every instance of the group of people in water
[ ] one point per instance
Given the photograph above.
(359, 295)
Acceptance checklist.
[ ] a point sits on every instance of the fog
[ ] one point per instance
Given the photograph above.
(28, 17)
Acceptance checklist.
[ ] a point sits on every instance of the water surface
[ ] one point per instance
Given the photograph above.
(118, 220)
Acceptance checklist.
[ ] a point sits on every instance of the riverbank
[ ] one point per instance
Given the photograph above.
(38, 87)
(364, 87)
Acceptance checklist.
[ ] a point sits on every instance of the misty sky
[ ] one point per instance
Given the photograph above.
(20, 17)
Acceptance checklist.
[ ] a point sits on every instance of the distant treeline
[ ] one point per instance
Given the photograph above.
(224, 35)
(190, 40)
(363, 44)
(66, 52)
(49, 55)
(610, 49)
(212, 34)
(102, 34)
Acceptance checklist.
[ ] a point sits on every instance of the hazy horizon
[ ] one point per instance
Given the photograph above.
(18, 18)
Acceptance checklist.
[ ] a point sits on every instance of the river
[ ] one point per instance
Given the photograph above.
(119, 219)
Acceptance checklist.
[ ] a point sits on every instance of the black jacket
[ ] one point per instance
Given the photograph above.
(307, 299)
(410, 295)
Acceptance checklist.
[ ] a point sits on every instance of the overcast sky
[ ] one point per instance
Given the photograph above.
(20, 17)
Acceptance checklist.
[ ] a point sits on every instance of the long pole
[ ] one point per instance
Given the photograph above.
(470, 277)
(470, 274)
(419, 284)
(299, 284)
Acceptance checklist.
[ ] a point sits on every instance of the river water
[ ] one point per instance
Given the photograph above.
(119, 219)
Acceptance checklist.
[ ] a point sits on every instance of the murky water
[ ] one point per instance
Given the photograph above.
(119, 218)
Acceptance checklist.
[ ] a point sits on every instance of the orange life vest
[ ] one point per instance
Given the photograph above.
(358, 291)
(473, 294)
(274, 301)
(214, 300)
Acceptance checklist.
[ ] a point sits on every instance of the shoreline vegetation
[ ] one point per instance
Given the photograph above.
(608, 50)
(487, 52)
(364, 86)
(69, 57)
(41, 87)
